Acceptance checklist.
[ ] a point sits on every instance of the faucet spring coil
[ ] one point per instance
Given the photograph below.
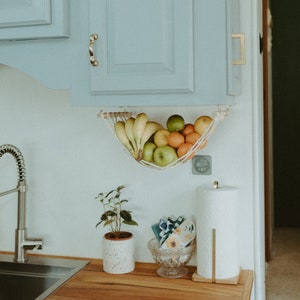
(16, 153)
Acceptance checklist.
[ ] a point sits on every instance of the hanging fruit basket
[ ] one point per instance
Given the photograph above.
(167, 147)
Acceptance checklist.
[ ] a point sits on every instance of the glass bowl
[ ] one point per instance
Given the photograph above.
(172, 261)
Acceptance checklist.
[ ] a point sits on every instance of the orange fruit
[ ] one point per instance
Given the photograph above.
(188, 128)
(183, 149)
(192, 138)
(175, 139)
(202, 123)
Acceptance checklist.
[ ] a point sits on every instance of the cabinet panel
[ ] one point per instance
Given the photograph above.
(143, 46)
(24, 13)
(24, 19)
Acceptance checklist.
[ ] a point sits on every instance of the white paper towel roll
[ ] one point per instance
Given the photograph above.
(217, 209)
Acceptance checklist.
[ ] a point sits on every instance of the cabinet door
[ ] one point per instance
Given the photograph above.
(143, 46)
(24, 19)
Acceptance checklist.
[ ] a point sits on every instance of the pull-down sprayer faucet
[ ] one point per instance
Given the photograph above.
(22, 242)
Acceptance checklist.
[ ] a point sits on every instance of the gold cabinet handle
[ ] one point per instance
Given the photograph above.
(242, 60)
(93, 38)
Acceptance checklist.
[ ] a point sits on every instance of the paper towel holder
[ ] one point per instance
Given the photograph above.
(213, 263)
(213, 279)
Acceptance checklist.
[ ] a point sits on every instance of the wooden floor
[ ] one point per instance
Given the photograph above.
(283, 271)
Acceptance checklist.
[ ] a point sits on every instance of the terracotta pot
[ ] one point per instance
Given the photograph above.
(118, 252)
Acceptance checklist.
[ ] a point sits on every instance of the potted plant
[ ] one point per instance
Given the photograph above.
(118, 245)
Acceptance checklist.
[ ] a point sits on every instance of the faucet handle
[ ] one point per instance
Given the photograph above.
(38, 246)
(32, 243)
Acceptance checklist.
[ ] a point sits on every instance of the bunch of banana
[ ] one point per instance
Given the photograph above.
(129, 125)
(135, 132)
(139, 128)
(122, 136)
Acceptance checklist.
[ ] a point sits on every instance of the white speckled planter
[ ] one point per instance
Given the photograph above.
(118, 254)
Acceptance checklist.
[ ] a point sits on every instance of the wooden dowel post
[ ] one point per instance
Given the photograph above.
(213, 255)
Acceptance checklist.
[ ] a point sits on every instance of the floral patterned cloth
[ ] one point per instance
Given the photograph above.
(174, 232)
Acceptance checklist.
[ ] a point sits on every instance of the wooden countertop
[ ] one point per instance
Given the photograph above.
(143, 283)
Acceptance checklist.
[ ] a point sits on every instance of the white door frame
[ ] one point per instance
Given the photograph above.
(258, 153)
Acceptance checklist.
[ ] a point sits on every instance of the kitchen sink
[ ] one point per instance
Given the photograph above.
(35, 279)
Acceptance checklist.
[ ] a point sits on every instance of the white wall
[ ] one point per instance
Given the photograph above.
(71, 156)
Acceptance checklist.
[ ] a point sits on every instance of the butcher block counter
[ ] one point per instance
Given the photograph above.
(143, 283)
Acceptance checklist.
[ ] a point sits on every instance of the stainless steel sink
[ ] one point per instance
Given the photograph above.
(35, 279)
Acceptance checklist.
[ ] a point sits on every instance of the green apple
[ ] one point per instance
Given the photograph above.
(164, 155)
(175, 123)
(148, 151)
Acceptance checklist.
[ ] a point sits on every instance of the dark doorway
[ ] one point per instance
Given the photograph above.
(286, 112)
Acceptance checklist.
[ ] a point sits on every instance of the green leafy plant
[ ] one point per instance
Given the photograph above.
(114, 215)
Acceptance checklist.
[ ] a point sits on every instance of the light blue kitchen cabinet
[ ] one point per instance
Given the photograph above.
(163, 52)
(143, 46)
(139, 53)
(20, 19)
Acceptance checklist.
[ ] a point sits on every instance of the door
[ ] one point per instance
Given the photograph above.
(164, 52)
(268, 134)
(142, 46)
(286, 112)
